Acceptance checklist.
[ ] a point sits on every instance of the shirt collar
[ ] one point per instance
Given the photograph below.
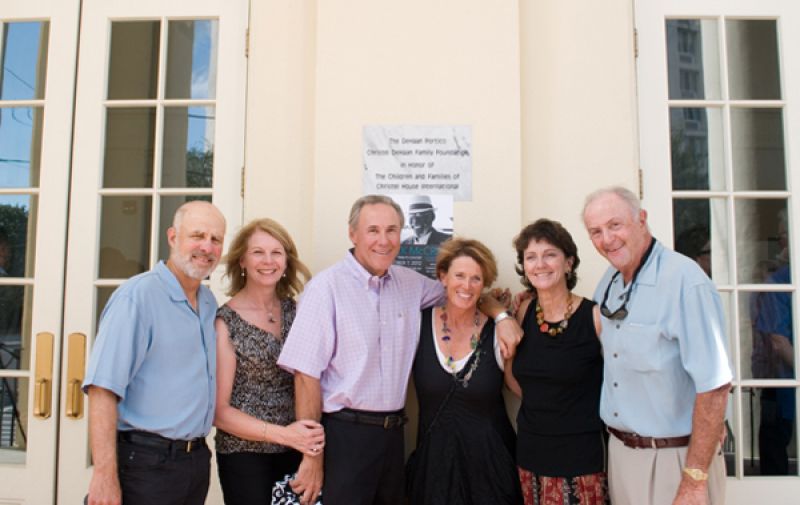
(174, 288)
(363, 275)
(649, 274)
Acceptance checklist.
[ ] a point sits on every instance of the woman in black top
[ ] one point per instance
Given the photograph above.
(465, 445)
(557, 371)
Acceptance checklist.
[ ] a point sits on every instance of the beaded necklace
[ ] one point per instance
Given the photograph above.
(545, 327)
(473, 340)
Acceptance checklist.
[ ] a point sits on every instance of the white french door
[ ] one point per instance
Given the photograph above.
(159, 115)
(719, 95)
(38, 51)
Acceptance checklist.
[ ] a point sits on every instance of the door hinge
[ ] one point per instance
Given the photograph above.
(641, 184)
(247, 42)
(635, 43)
(241, 193)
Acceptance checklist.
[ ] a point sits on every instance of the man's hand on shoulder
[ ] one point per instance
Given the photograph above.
(509, 333)
(308, 482)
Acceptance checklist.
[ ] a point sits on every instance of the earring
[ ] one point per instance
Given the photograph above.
(284, 275)
(244, 273)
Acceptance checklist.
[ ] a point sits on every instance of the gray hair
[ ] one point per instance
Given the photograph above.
(355, 210)
(625, 194)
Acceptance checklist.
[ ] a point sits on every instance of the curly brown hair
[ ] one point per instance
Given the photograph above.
(554, 234)
(290, 284)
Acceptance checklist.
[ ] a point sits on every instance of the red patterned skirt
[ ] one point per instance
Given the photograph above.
(589, 489)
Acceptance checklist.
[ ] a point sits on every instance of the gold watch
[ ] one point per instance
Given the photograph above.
(695, 474)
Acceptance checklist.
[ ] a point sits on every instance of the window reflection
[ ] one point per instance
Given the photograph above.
(20, 146)
(769, 415)
(692, 59)
(192, 59)
(24, 60)
(133, 64)
(129, 149)
(762, 242)
(753, 64)
(696, 148)
(188, 157)
(759, 161)
(13, 419)
(124, 236)
(699, 233)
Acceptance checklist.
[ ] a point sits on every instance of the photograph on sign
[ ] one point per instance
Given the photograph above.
(428, 223)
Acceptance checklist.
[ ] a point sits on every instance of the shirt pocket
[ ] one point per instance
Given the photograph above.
(641, 346)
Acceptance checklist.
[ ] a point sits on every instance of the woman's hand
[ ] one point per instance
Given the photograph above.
(306, 436)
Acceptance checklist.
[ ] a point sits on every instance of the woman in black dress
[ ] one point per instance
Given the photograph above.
(465, 442)
(257, 439)
(557, 371)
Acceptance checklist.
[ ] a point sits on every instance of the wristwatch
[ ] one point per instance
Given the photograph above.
(695, 474)
(501, 317)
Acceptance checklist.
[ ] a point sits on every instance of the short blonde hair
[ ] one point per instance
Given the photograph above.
(457, 247)
(290, 284)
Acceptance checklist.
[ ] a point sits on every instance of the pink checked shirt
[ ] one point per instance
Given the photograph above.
(358, 334)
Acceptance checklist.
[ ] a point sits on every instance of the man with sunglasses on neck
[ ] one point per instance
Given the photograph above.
(666, 375)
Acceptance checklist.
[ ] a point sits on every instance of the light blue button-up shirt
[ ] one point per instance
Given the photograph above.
(671, 346)
(158, 355)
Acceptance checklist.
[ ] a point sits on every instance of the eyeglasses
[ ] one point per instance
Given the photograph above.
(622, 312)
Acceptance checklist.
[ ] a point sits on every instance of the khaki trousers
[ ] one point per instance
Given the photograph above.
(652, 476)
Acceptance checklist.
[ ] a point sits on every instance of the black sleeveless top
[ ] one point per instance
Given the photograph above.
(560, 433)
(467, 458)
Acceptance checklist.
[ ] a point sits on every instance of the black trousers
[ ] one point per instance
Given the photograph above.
(247, 478)
(153, 476)
(363, 464)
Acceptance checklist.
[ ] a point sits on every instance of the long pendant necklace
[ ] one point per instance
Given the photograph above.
(558, 328)
(446, 331)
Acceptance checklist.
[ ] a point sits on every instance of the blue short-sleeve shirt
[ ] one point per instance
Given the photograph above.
(670, 347)
(158, 355)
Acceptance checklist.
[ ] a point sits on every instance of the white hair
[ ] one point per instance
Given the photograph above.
(625, 194)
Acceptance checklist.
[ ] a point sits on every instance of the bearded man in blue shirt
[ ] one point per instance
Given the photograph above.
(151, 377)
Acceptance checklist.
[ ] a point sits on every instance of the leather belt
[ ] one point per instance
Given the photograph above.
(387, 421)
(637, 441)
(158, 442)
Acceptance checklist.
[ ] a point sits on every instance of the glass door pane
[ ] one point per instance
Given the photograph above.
(715, 113)
(154, 88)
(38, 40)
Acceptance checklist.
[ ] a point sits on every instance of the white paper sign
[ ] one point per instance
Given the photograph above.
(429, 160)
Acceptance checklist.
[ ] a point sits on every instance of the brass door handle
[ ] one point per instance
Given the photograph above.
(76, 369)
(43, 393)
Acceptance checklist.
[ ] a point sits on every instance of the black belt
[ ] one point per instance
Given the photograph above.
(158, 442)
(387, 420)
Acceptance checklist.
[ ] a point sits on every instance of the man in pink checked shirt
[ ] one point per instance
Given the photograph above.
(351, 348)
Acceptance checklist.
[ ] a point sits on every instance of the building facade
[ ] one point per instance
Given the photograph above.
(113, 113)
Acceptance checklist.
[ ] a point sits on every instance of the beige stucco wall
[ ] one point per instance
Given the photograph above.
(578, 112)
(548, 88)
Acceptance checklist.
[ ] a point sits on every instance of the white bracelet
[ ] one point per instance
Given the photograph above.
(501, 317)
